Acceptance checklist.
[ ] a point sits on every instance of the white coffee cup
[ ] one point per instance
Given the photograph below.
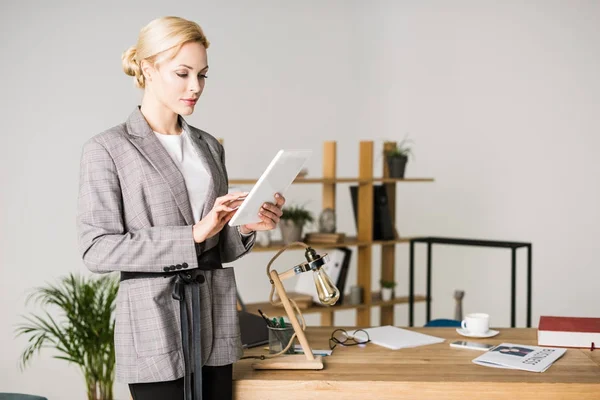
(477, 323)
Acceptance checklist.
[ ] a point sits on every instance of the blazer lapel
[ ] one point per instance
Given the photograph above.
(156, 154)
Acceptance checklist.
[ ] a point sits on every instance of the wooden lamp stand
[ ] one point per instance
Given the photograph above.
(291, 361)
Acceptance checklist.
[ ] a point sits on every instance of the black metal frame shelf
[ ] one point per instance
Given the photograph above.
(468, 242)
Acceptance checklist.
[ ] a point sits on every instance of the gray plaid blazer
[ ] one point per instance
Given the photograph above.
(134, 214)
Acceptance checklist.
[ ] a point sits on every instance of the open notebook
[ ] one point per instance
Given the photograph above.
(398, 338)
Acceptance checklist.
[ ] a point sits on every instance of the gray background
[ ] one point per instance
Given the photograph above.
(501, 99)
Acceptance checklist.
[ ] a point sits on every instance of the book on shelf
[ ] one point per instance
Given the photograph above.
(324, 238)
(519, 356)
(343, 276)
(383, 226)
(569, 332)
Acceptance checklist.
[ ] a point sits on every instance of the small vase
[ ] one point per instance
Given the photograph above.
(397, 166)
(290, 232)
(386, 294)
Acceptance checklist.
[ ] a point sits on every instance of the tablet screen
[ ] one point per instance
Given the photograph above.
(278, 176)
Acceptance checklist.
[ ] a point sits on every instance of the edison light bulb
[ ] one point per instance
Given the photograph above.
(328, 293)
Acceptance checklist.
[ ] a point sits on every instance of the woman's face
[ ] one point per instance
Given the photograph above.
(180, 79)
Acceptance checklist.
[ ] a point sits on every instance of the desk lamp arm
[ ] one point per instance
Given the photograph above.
(276, 283)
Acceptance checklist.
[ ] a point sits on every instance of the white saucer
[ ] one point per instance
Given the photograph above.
(489, 333)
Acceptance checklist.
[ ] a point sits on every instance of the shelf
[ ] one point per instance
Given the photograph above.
(337, 180)
(363, 243)
(277, 245)
(272, 311)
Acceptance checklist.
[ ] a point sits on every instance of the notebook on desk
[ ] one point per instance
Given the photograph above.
(396, 338)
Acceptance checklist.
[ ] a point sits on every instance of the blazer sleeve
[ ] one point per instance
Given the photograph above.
(103, 243)
(232, 245)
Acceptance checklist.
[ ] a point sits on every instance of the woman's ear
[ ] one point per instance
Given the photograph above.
(147, 70)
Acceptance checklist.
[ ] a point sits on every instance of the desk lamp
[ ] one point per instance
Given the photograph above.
(328, 295)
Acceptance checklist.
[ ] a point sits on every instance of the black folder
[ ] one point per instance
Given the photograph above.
(383, 226)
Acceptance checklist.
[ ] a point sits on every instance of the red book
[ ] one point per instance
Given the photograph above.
(569, 332)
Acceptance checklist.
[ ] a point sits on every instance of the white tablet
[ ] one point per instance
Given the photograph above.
(278, 176)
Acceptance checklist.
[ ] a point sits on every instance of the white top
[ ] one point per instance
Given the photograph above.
(183, 153)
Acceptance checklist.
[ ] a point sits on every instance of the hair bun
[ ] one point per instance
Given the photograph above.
(131, 66)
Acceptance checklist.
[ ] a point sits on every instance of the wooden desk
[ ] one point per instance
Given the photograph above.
(435, 371)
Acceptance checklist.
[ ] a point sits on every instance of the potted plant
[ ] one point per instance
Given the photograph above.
(387, 289)
(398, 157)
(292, 222)
(85, 334)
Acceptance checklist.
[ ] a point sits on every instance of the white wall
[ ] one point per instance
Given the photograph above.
(501, 100)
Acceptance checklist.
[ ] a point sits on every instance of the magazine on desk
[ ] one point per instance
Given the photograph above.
(519, 356)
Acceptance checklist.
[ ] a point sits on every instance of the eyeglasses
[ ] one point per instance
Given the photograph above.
(343, 338)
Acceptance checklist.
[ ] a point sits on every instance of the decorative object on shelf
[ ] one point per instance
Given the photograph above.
(387, 289)
(356, 295)
(398, 157)
(458, 296)
(292, 223)
(317, 237)
(327, 221)
(328, 295)
(263, 238)
(85, 335)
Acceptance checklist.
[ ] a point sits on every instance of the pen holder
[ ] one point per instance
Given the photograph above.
(279, 338)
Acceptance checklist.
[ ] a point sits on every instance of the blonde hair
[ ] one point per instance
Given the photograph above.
(160, 41)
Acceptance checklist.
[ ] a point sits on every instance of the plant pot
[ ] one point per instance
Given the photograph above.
(397, 166)
(386, 294)
(290, 231)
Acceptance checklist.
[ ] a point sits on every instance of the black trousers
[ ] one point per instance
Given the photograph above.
(217, 383)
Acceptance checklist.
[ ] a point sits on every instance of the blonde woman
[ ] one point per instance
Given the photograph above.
(153, 204)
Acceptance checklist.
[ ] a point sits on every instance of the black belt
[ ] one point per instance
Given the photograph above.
(208, 260)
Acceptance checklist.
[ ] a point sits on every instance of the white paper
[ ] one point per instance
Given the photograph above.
(519, 356)
(397, 338)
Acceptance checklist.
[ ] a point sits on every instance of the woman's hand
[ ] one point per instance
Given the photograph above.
(222, 211)
(269, 213)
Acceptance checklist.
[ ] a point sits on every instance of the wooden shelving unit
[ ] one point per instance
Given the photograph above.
(269, 309)
(276, 245)
(363, 241)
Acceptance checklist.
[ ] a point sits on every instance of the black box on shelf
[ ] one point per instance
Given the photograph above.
(383, 226)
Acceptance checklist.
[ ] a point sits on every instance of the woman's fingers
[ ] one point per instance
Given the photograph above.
(235, 204)
(268, 217)
(269, 214)
(229, 197)
(270, 207)
(280, 200)
(223, 208)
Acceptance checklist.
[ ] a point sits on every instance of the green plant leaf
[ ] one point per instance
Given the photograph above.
(298, 214)
(387, 284)
(402, 149)
(83, 334)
